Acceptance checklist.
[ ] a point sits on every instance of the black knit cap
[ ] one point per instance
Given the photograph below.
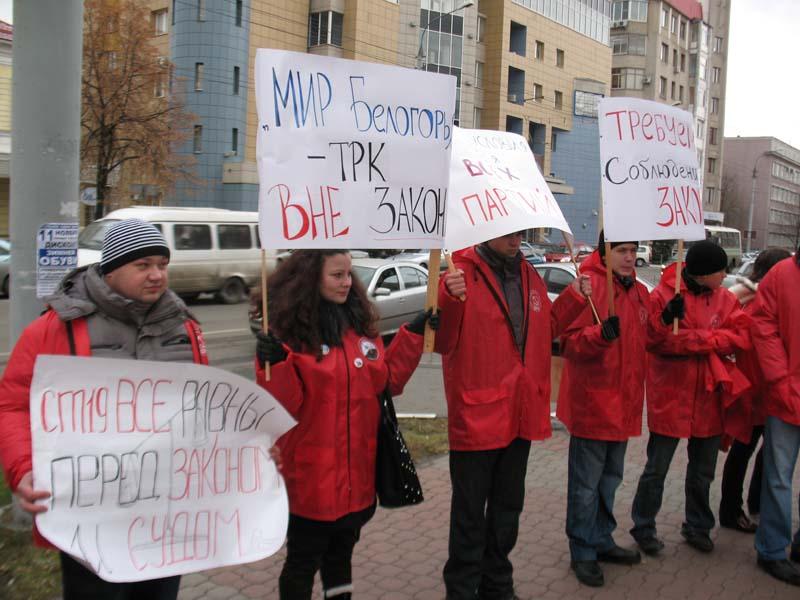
(704, 258)
(601, 243)
(131, 240)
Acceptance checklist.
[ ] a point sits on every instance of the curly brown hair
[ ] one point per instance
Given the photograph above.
(297, 311)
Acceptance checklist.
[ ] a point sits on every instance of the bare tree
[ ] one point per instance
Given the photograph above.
(128, 115)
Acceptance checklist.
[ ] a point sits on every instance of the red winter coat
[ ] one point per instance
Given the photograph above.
(602, 387)
(329, 456)
(684, 395)
(495, 393)
(776, 334)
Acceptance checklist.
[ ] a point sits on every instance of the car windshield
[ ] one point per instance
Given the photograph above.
(364, 274)
(91, 238)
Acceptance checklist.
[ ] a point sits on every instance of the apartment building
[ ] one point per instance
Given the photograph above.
(761, 191)
(6, 41)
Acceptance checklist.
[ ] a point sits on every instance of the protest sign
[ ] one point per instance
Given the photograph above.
(351, 154)
(155, 469)
(495, 188)
(652, 188)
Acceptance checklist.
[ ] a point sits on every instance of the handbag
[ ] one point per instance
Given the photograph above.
(396, 481)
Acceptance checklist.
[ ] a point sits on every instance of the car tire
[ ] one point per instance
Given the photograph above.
(233, 291)
(5, 286)
(639, 262)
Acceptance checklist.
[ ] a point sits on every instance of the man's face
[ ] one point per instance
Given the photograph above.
(507, 245)
(143, 280)
(622, 259)
(712, 281)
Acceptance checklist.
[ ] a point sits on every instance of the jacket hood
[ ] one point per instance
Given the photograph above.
(668, 276)
(593, 264)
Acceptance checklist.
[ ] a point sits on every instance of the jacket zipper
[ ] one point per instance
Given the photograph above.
(507, 315)
(349, 472)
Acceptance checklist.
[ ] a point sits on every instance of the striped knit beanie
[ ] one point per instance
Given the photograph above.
(130, 240)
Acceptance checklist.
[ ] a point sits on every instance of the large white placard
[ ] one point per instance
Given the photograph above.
(652, 186)
(156, 469)
(495, 188)
(351, 154)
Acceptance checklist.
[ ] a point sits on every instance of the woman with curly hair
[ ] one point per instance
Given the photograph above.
(328, 365)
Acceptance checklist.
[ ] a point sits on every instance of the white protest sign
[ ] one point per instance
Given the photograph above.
(56, 255)
(651, 183)
(495, 189)
(156, 469)
(351, 154)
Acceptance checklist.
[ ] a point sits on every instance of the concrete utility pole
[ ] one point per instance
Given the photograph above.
(45, 139)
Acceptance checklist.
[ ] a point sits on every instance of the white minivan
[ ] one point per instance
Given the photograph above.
(212, 249)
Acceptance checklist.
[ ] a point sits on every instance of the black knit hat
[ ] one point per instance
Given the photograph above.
(130, 240)
(601, 243)
(704, 258)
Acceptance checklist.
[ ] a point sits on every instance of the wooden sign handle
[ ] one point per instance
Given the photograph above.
(578, 273)
(432, 300)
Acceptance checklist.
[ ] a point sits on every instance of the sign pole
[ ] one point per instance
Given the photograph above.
(432, 301)
(264, 314)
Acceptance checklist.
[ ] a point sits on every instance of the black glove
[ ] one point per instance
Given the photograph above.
(418, 324)
(609, 328)
(269, 349)
(675, 309)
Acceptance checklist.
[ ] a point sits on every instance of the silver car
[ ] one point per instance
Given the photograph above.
(558, 276)
(418, 257)
(5, 263)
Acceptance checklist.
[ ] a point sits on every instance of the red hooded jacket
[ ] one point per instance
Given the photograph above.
(684, 395)
(495, 392)
(329, 456)
(776, 334)
(602, 387)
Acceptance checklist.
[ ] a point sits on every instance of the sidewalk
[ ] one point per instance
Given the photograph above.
(402, 552)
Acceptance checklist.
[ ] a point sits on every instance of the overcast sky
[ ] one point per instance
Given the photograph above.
(763, 83)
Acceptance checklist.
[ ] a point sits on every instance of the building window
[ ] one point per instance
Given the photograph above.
(325, 28)
(159, 18)
(680, 94)
(675, 60)
(664, 17)
(539, 50)
(712, 136)
(516, 85)
(683, 62)
(717, 45)
(201, 10)
(716, 73)
(235, 81)
(239, 13)
(712, 165)
(235, 140)
(197, 139)
(553, 140)
(627, 79)
(478, 74)
(476, 117)
(160, 87)
(629, 10)
(629, 44)
(673, 25)
(672, 91)
(711, 196)
(714, 106)
(198, 77)
(517, 38)
(481, 28)
(560, 58)
(558, 99)
(665, 53)
(586, 104)
(538, 92)
(683, 30)
(701, 127)
(662, 87)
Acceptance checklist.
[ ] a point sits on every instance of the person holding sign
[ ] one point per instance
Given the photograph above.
(119, 308)
(495, 339)
(328, 365)
(688, 376)
(600, 402)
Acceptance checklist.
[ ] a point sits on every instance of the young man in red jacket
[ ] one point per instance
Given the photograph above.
(776, 335)
(684, 396)
(600, 402)
(495, 346)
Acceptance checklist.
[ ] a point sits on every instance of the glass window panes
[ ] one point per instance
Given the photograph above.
(586, 104)
(413, 277)
(192, 237)
(388, 279)
(232, 237)
(558, 279)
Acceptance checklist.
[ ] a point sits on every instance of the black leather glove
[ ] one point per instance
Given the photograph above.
(269, 349)
(675, 309)
(418, 324)
(609, 328)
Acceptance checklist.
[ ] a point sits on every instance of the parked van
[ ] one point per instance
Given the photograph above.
(643, 255)
(212, 249)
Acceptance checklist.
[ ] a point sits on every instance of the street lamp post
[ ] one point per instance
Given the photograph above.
(753, 198)
(421, 56)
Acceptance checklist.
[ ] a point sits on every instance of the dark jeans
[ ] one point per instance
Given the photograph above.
(488, 495)
(325, 546)
(80, 583)
(730, 505)
(595, 472)
(699, 475)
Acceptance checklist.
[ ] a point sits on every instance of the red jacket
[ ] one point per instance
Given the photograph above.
(329, 456)
(602, 387)
(495, 393)
(776, 334)
(684, 396)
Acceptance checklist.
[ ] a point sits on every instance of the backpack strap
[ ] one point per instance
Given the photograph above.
(197, 341)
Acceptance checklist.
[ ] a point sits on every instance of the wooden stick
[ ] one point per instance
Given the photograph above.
(578, 272)
(451, 268)
(432, 301)
(264, 315)
(610, 281)
(678, 282)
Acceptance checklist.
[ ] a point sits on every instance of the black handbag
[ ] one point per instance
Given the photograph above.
(396, 480)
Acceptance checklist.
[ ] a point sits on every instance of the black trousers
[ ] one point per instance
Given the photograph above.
(325, 546)
(80, 583)
(488, 495)
(730, 505)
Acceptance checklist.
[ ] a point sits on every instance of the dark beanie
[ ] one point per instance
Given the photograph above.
(704, 258)
(131, 240)
(601, 243)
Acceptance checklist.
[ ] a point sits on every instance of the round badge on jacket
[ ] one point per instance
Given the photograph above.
(368, 349)
(535, 302)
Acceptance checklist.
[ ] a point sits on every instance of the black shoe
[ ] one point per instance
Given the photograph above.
(781, 569)
(588, 572)
(741, 523)
(620, 556)
(698, 540)
(650, 545)
(794, 554)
